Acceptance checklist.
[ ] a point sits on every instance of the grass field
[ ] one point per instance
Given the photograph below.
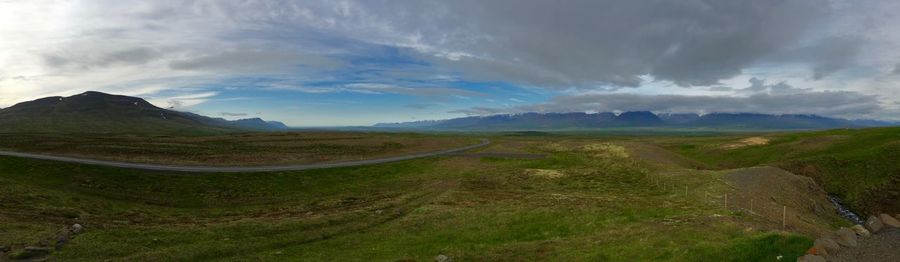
(859, 165)
(233, 149)
(585, 200)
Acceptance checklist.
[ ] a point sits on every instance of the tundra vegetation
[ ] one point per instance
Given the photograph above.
(588, 197)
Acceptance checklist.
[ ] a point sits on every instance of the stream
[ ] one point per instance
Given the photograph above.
(844, 211)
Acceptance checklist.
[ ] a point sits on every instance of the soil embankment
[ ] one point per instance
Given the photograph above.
(778, 196)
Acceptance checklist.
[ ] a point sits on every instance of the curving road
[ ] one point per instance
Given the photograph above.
(215, 169)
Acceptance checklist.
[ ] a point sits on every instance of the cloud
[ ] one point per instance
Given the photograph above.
(842, 104)
(896, 69)
(781, 88)
(379, 88)
(592, 43)
(253, 61)
(720, 88)
(180, 102)
(232, 114)
(74, 59)
(824, 56)
(436, 49)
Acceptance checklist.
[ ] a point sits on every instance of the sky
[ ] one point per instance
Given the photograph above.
(335, 62)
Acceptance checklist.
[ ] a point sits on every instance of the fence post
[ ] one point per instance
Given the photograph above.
(726, 200)
(784, 217)
(751, 206)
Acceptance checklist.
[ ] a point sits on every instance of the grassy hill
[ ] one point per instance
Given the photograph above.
(95, 112)
(859, 165)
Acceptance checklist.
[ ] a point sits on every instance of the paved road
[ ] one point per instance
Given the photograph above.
(215, 169)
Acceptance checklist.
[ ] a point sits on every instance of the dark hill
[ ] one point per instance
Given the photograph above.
(96, 112)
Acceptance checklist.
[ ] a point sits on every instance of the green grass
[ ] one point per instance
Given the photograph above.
(233, 149)
(468, 208)
(857, 165)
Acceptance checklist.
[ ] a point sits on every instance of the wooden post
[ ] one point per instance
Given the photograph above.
(726, 201)
(784, 217)
(751, 206)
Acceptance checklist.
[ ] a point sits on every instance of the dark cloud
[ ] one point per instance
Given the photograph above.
(897, 69)
(821, 103)
(824, 56)
(834, 54)
(590, 43)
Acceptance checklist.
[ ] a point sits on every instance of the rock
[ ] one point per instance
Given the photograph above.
(873, 224)
(846, 237)
(889, 221)
(32, 252)
(37, 249)
(861, 231)
(77, 229)
(61, 241)
(442, 258)
(810, 258)
(829, 244)
(5, 249)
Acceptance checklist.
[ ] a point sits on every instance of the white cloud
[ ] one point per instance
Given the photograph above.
(180, 102)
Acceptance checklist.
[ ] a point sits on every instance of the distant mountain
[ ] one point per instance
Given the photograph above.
(568, 121)
(257, 123)
(96, 112)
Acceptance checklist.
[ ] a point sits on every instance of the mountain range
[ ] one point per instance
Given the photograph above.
(635, 119)
(96, 112)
